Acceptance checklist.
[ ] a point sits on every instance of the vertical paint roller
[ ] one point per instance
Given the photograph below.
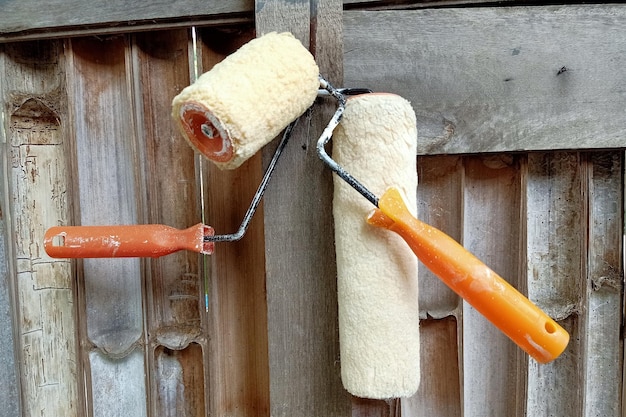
(376, 271)
(246, 100)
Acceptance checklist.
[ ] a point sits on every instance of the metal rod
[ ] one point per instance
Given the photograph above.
(340, 95)
(258, 195)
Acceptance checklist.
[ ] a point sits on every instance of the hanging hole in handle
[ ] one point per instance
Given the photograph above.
(58, 240)
(550, 327)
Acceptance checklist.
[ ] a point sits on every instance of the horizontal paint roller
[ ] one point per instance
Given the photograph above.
(516, 316)
(246, 100)
(227, 115)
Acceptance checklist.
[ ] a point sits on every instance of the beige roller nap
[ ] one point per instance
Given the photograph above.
(377, 271)
(246, 100)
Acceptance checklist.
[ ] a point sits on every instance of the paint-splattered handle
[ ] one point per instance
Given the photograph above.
(149, 240)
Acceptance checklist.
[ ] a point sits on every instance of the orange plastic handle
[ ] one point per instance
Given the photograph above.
(147, 240)
(515, 315)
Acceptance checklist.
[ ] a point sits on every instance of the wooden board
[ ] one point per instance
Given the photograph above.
(439, 197)
(604, 284)
(174, 304)
(8, 367)
(34, 105)
(439, 394)
(27, 19)
(238, 372)
(412, 4)
(517, 83)
(492, 227)
(300, 257)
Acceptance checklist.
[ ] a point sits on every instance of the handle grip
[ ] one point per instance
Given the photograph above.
(148, 240)
(514, 314)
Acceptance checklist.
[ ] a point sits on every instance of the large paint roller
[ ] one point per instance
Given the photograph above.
(239, 106)
(376, 271)
(516, 316)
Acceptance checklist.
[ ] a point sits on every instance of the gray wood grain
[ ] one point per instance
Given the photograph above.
(300, 257)
(413, 4)
(19, 18)
(498, 79)
(556, 226)
(491, 229)
(9, 395)
(35, 108)
(439, 202)
(604, 285)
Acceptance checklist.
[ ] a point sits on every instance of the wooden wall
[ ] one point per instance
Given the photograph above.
(520, 162)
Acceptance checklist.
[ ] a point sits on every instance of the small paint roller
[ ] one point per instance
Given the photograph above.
(246, 100)
(516, 316)
(227, 115)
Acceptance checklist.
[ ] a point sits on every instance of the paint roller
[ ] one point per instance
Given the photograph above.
(373, 118)
(227, 115)
(376, 271)
(246, 100)
(240, 105)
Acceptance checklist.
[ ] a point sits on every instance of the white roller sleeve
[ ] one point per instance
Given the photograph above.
(246, 100)
(377, 271)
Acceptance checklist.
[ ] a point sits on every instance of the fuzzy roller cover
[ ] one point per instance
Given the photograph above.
(376, 270)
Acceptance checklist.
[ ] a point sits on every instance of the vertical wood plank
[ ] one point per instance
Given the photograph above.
(102, 109)
(239, 370)
(491, 231)
(555, 253)
(178, 381)
(440, 204)
(439, 394)
(174, 297)
(118, 386)
(34, 104)
(364, 407)
(9, 395)
(440, 199)
(603, 343)
(8, 365)
(300, 266)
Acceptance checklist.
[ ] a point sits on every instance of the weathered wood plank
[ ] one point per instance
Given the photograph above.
(107, 192)
(9, 377)
(174, 297)
(439, 394)
(179, 381)
(363, 407)
(440, 204)
(555, 255)
(103, 113)
(554, 206)
(300, 266)
(491, 231)
(117, 385)
(603, 359)
(238, 373)
(517, 83)
(9, 395)
(35, 110)
(27, 19)
(412, 4)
